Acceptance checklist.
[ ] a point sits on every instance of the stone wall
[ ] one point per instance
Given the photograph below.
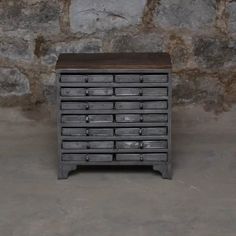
(200, 36)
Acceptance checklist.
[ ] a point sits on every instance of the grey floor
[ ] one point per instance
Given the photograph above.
(200, 200)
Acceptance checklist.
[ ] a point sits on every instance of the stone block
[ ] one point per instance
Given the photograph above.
(232, 18)
(214, 53)
(51, 52)
(15, 48)
(143, 42)
(90, 16)
(192, 15)
(22, 17)
(13, 82)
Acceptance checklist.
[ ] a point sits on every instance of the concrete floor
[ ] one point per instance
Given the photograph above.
(199, 201)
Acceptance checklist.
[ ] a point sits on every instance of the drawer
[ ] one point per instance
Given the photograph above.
(154, 144)
(127, 144)
(73, 105)
(86, 105)
(72, 92)
(100, 105)
(72, 78)
(101, 144)
(142, 157)
(77, 92)
(145, 105)
(100, 91)
(74, 145)
(73, 118)
(127, 105)
(88, 118)
(128, 118)
(106, 78)
(155, 105)
(87, 145)
(144, 118)
(127, 131)
(155, 91)
(127, 91)
(83, 132)
(82, 78)
(154, 131)
(155, 118)
(100, 132)
(86, 157)
(73, 131)
(141, 131)
(155, 78)
(127, 78)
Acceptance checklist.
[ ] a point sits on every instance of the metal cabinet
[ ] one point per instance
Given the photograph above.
(112, 113)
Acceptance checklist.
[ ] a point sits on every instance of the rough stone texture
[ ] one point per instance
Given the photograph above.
(198, 34)
(213, 52)
(143, 42)
(90, 16)
(13, 82)
(29, 16)
(15, 48)
(232, 18)
(51, 51)
(193, 14)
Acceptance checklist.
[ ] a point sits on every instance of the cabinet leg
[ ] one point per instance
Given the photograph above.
(164, 169)
(64, 170)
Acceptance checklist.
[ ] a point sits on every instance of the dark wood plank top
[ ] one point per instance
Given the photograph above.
(114, 61)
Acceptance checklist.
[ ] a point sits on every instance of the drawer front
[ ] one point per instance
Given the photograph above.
(100, 78)
(86, 119)
(142, 157)
(87, 157)
(143, 117)
(141, 131)
(155, 78)
(86, 132)
(87, 145)
(82, 78)
(86, 105)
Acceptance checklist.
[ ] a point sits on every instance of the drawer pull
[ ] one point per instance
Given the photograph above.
(87, 119)
(141, 118)
(87, 158)
(141, 145)
(140, 131)
(141, 158)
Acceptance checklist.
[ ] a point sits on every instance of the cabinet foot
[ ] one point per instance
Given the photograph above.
(164, 169)
(64, 170)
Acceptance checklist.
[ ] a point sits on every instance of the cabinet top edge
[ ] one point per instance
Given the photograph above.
(114, 61)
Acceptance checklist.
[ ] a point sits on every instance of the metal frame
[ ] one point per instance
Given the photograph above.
(64, 167)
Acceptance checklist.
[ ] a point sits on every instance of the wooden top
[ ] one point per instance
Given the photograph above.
(114, 61)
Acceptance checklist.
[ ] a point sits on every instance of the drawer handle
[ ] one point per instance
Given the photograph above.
(87, 107)
(140, 92)
(87, 92)
(140, 131)
(87, 119)
(141, 105)
(141, 145)
(141, 158)
(141, 118)
(87, 158)
(87, 132)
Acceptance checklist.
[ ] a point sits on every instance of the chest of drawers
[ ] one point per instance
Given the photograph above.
(114, 109)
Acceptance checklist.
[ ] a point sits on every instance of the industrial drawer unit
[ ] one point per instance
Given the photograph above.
(114, 109)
